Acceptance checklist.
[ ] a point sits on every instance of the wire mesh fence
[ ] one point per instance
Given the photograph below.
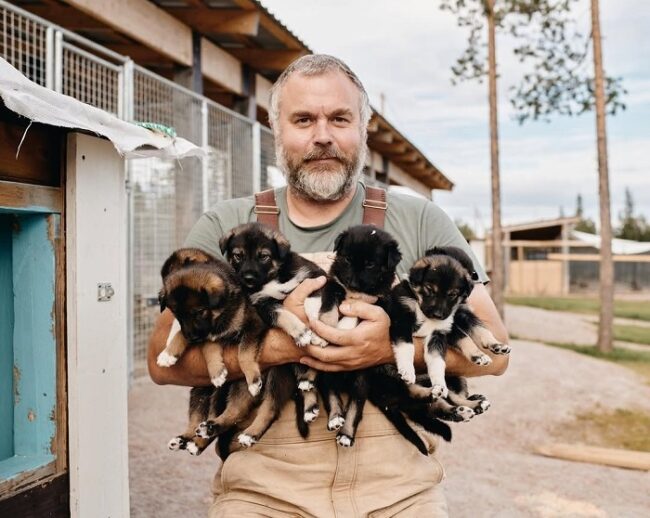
(166, 197)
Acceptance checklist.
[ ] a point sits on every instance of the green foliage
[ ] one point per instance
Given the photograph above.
(466, 230)
(631, 226)
(585, 224)
(634, 334)
(546, 39)
(633, 309)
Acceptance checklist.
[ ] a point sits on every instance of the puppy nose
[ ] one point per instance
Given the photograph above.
(248, 277)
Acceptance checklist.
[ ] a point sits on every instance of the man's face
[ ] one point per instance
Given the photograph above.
(319, 139)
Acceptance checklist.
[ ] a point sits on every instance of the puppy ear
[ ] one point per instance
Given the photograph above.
(339, 240)
(224, 242)
(416, 276)
(170, 264)
(394, 255)
(162, 300)
(284, 247)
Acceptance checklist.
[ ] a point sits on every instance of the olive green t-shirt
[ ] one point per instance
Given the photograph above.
(415, 223)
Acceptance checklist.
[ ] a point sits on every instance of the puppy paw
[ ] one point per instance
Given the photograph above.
(311, 414)
(481, 359)
(344, 440)
(306, 386)
(303, 338)
(246, 440)
(192, 448)
(438, 391)
(220, 378)
(499, 348)
(483, 404)
(166, 360)
(204, 430)
(317, 340)
(464, 413)
(335, 423)
(177, 443)
(407, 374)
(255, 387)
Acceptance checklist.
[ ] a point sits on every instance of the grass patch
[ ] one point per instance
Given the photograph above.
(638, 361)
(635, 334)
(633, 309)
(620, 428)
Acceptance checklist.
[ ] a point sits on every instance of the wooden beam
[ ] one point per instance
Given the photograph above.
(408, 158)
(594, 455)
(596, 258)
(396, 148)
(144, 22)
(138, 53)
(263, 59)
(262, 91)
(67, 17)
(219, 21)
(399, 176)
(373, 126)
(382, 136)
(33, 197)
(220, 67)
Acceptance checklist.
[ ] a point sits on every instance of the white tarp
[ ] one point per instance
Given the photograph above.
(43, 105)
(619, 246)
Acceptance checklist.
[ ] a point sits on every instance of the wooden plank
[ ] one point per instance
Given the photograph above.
(219, 66)
(262, 91)
(31, 475)
(139, 53)
(47, 498)
(265, 59)
(219, 21)
(39, 160)
(35, 198)
(401, 177)
(545, 244)
(65, 16)
(395, 148)
(144, 22)
(596, 258)
(595, 455)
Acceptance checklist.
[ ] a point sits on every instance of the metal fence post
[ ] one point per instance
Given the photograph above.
(205, 159)
(257, 156)
(49, 58)
(125, 95)
(58, 61)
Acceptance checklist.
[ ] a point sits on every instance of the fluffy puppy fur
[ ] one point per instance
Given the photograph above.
(269, 271)
(431, 304)
(213, 311)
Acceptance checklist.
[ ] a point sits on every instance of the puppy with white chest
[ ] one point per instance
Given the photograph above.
(269, 270)
(432, 304)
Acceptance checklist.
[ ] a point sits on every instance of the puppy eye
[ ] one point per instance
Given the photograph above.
(265, 257)
(370, 264)
(236, 257)
(453, 293)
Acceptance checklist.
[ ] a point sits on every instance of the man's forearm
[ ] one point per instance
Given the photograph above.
(191, 369)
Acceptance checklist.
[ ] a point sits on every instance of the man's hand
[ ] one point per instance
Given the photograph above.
(295, 301)
(366, 345)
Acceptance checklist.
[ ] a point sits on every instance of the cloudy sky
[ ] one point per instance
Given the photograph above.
(405, 50)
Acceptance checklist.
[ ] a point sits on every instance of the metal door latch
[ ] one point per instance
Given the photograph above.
(105, 291)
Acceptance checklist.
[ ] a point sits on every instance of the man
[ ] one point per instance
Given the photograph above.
(319, 113)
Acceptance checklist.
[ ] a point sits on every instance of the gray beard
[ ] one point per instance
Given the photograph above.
(321, 184)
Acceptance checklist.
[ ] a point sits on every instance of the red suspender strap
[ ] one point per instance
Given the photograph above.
(374, 207)
(266, 209)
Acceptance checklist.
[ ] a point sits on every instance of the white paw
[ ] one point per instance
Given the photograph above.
(335, 423)
(311, 415)
(306, 386)
(220, 378)
(175, 444)
(482, 360)
(407, 374)
(464, 412)
(317, 340)
(166, 360)
(202, 431)
(304, 338)
(439, 391)
(255, 387)
(499, 348)
(192, 448)
(344, 440)
(484, 405)
(246, 440)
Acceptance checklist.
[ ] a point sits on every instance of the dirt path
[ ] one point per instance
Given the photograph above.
(491, 471)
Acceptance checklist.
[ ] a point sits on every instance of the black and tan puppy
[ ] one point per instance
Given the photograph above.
(212, 311)
(432, 304)
(269, 271)
(363, 269)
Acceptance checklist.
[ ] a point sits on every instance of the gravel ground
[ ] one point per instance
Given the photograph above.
(491, 470)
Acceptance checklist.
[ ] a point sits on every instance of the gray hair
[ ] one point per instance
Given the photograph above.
(315, 65)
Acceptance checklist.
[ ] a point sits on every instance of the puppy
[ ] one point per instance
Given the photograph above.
(269, 271)
(213, 311)
(363, 269)
(431, 304)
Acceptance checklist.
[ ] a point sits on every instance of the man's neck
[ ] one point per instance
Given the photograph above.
(309, 213)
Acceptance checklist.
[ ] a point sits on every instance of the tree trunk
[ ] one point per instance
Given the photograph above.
(496, 277)
(606, 263)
